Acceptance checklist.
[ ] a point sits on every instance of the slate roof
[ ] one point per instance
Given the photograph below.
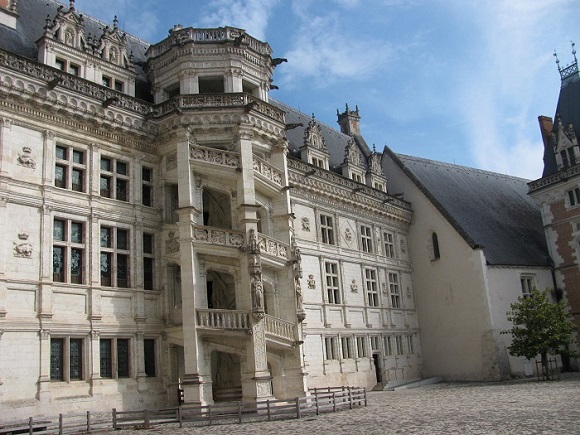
(30, 28)
(568, 110)
(335, 141)
(489, 210)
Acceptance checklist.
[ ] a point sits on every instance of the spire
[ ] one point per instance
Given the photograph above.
(115, 22)
(570, 72)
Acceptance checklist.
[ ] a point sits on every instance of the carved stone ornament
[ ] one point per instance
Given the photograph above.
(25, 159)
(311, 282)
(352, 154)
(313, 136)
(172, 243)
(354, 286)
(348, 234)
(384, 287)
(305, 224)
(403, 247)
(23, 248)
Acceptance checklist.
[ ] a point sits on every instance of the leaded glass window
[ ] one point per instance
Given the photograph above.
(106, 358)
(56, 359)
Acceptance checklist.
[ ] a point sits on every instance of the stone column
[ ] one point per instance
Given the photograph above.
(189, 83)
(256, 379)
(44, 375)
(197, 378)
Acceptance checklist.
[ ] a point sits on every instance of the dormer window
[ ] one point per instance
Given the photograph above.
(119, 86)
(318, 162)
(60, 64)
(568, 157)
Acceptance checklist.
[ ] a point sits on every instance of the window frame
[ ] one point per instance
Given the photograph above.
(389, 244)
(327, 229)
(395, 289)
(149, 262)
(330, 348)
(116, 257)
(115, 179)
(332, 282)
(574, 196)
(150, 364)
(346, 348)
(70, 167)
(399, 348)
(527, 285)
(66, 359)
(361, 347)
(147, 186)
(68, 247)
(113, 359)
(371, 287)
(366, 238)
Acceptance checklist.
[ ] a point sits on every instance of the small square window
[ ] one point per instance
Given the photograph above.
(74, 69)
(106, 81)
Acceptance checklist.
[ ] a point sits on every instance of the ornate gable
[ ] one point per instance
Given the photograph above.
(313, 136)
(375, 163)
(66, 27)
(113, 46)
(565, 145)
(352, 154)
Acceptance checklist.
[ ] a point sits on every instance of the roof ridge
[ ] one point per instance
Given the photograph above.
(454, 165)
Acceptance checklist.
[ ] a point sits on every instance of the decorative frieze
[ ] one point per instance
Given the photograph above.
(215, 156)
(268, 171)
(218, 236)
(272, 247)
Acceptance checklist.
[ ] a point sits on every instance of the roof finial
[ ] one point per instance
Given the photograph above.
(72, 5)
(574, 51)
(313, 117)
(346, 107)
(374, 149)
(557, 60)
(115, 22)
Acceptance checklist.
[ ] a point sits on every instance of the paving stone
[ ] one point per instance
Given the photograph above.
(513, 407)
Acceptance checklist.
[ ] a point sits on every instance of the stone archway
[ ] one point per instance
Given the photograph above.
(226, 376)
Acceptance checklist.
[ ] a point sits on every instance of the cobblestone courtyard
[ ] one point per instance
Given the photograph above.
(515, 407)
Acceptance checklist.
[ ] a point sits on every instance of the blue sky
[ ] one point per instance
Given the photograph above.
(461, 81)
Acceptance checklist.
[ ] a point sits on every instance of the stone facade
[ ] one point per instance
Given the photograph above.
(175, 249)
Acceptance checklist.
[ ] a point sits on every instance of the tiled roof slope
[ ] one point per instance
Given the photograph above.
(30, 28)
(489, 210)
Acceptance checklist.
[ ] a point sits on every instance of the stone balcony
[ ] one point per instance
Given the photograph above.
(279, 332)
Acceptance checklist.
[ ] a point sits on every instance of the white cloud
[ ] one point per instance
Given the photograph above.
(250, 15)
(495, 96)
(324, 49)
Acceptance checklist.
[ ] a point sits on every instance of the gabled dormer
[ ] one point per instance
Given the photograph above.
(314, 149)
(565, 145)
(375, 177)
(352, 165)
(113, 47)
(101, 59)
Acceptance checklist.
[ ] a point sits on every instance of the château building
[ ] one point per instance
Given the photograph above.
(558, 191)
(170, 233)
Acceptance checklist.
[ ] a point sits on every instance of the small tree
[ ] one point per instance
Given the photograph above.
(539, 327)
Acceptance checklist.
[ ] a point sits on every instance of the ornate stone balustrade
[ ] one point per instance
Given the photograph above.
(554, 178)
(223, 319)
(215, 156)
(279, 328)
(44, 72)
(218, 236)
(268, 171)
(210, 101)
(273, 247)
(206, 36)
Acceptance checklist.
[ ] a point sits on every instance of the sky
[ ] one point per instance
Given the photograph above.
(459, 81)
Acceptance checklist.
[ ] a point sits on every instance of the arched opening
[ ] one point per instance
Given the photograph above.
(221, 291)
(226, 377)
(217, 210)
